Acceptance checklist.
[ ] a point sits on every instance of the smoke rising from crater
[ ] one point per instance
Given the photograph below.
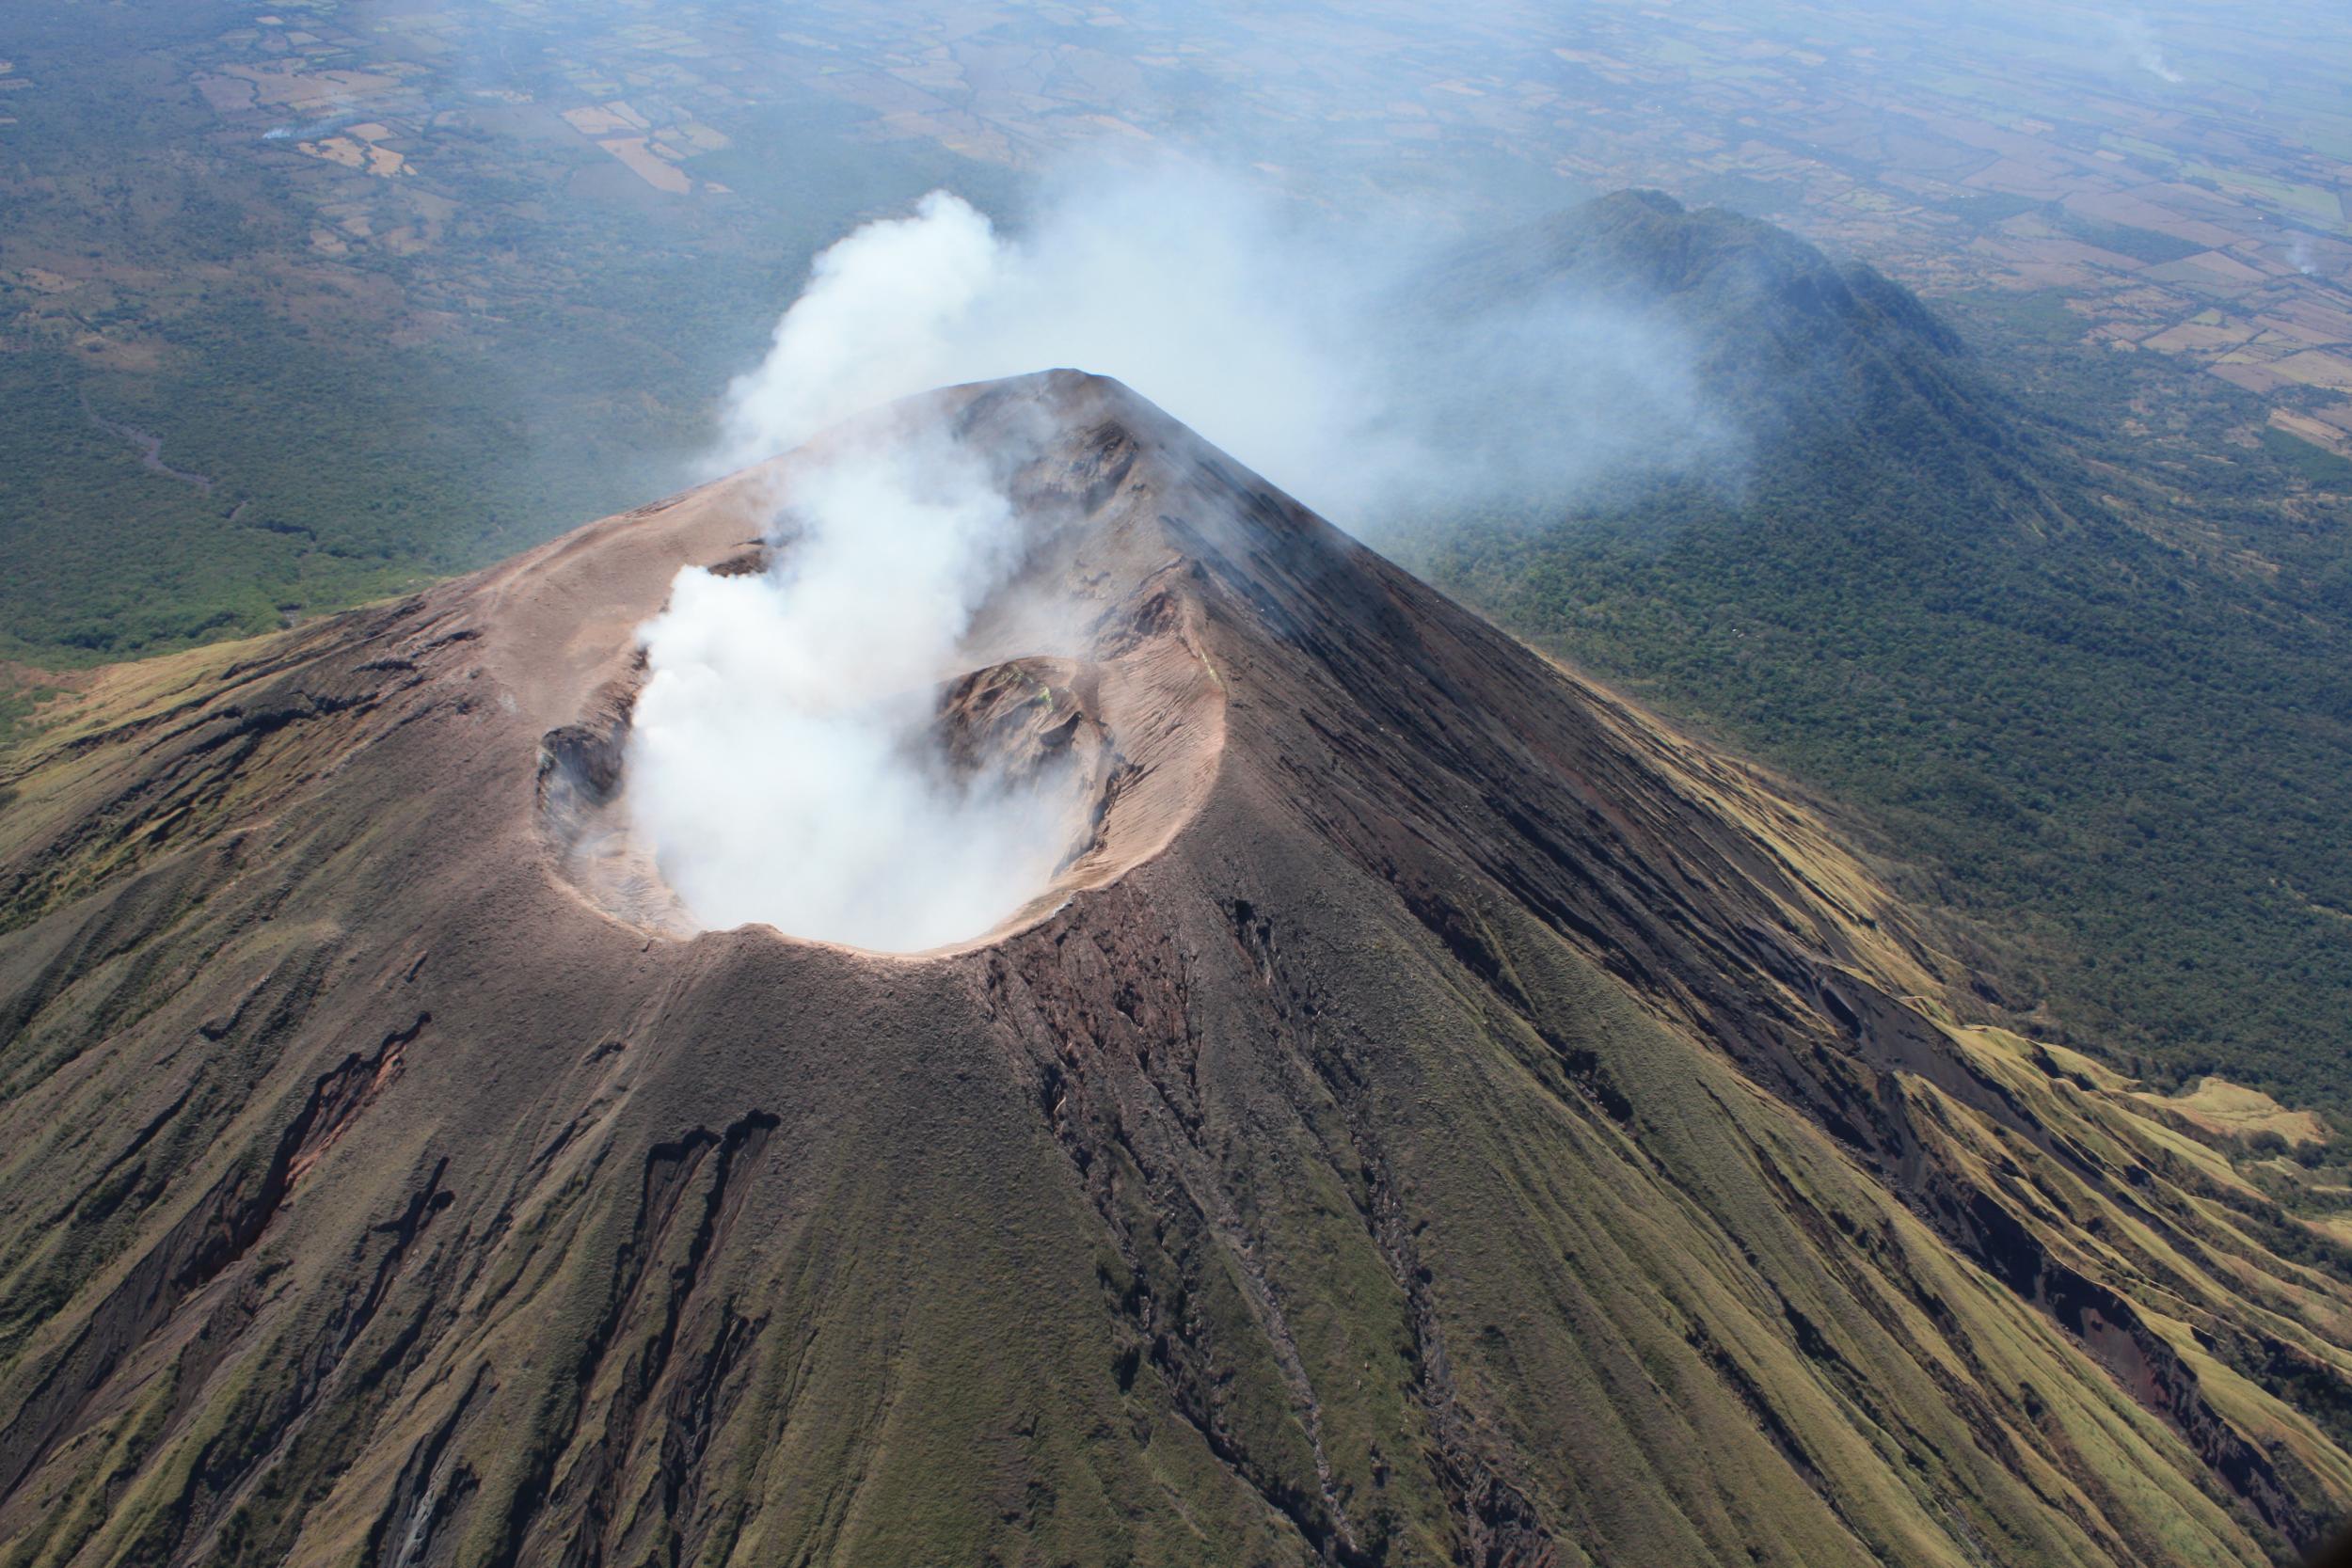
(1322, 351)
(785, 765)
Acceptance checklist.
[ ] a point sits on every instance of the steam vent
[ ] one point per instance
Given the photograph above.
(1428, 1112)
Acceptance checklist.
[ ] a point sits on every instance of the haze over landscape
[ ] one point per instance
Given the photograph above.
(1175, 784)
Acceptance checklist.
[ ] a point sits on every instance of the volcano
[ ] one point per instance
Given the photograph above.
(1436, 1114)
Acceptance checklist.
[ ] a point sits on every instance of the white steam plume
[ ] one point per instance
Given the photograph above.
(1309, 349)
(873, 323)
(783, 765)
(2139, 43)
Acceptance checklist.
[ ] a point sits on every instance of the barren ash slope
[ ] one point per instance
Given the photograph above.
(1436, 1116)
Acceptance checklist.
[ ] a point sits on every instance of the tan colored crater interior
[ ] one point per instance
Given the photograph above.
(1122, 715)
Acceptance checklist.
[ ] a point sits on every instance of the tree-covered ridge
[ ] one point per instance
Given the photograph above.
(2104, 704)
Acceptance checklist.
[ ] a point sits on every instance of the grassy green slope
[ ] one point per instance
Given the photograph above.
(1163, 1233)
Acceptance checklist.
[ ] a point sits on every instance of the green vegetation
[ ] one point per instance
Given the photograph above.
(174, 563)
(20, 715)
(2314, 466)
(359, 382)
(2141, 245)
(2108, 716)
(1991, 207)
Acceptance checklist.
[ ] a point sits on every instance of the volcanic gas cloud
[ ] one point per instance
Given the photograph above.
(787, 764)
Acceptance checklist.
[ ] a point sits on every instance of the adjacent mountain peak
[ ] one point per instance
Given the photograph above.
(1646, 240)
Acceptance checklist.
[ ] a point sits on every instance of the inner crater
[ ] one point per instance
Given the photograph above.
(1005, 799)
(786, 750)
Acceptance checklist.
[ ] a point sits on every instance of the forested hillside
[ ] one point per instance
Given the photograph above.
(2107, 708)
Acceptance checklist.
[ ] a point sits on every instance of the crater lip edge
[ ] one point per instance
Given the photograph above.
(1136, 740)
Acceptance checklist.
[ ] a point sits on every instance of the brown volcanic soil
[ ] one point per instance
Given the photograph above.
(1443, 1118)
